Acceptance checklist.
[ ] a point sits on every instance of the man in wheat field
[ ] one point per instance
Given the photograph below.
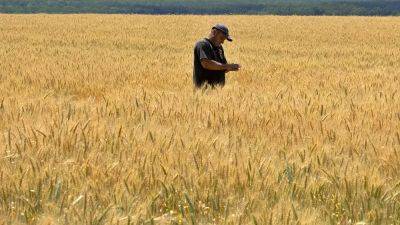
(210, 64)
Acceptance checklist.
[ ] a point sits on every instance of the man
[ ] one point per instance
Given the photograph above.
(210, 64)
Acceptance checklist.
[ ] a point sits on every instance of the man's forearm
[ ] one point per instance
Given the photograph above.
(213, 65)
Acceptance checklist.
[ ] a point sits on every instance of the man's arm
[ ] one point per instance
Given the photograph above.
(214, 65)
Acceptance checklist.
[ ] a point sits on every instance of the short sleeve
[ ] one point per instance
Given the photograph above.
(203, 51)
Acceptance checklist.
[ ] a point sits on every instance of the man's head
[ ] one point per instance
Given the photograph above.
(220, 33)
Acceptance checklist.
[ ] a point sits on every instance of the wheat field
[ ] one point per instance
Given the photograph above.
(100, 123)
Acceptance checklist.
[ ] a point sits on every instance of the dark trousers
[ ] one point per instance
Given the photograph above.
(212, 82)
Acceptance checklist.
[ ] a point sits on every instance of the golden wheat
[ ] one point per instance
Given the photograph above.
(100, 123)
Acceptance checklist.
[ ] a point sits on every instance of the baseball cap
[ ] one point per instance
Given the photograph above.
(224, 30)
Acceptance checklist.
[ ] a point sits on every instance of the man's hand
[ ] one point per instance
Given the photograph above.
(232, 67)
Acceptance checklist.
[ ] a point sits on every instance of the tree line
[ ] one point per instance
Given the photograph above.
(299, 7)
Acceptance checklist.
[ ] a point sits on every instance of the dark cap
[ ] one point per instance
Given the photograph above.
(224, 30)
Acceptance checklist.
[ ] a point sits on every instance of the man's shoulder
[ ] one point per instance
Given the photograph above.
(202, 42)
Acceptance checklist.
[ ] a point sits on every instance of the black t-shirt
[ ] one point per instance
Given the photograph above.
(204, 49)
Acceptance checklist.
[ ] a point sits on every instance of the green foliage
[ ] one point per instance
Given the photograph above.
(285, 7)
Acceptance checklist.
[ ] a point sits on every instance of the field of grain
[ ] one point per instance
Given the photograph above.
(99, 122)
